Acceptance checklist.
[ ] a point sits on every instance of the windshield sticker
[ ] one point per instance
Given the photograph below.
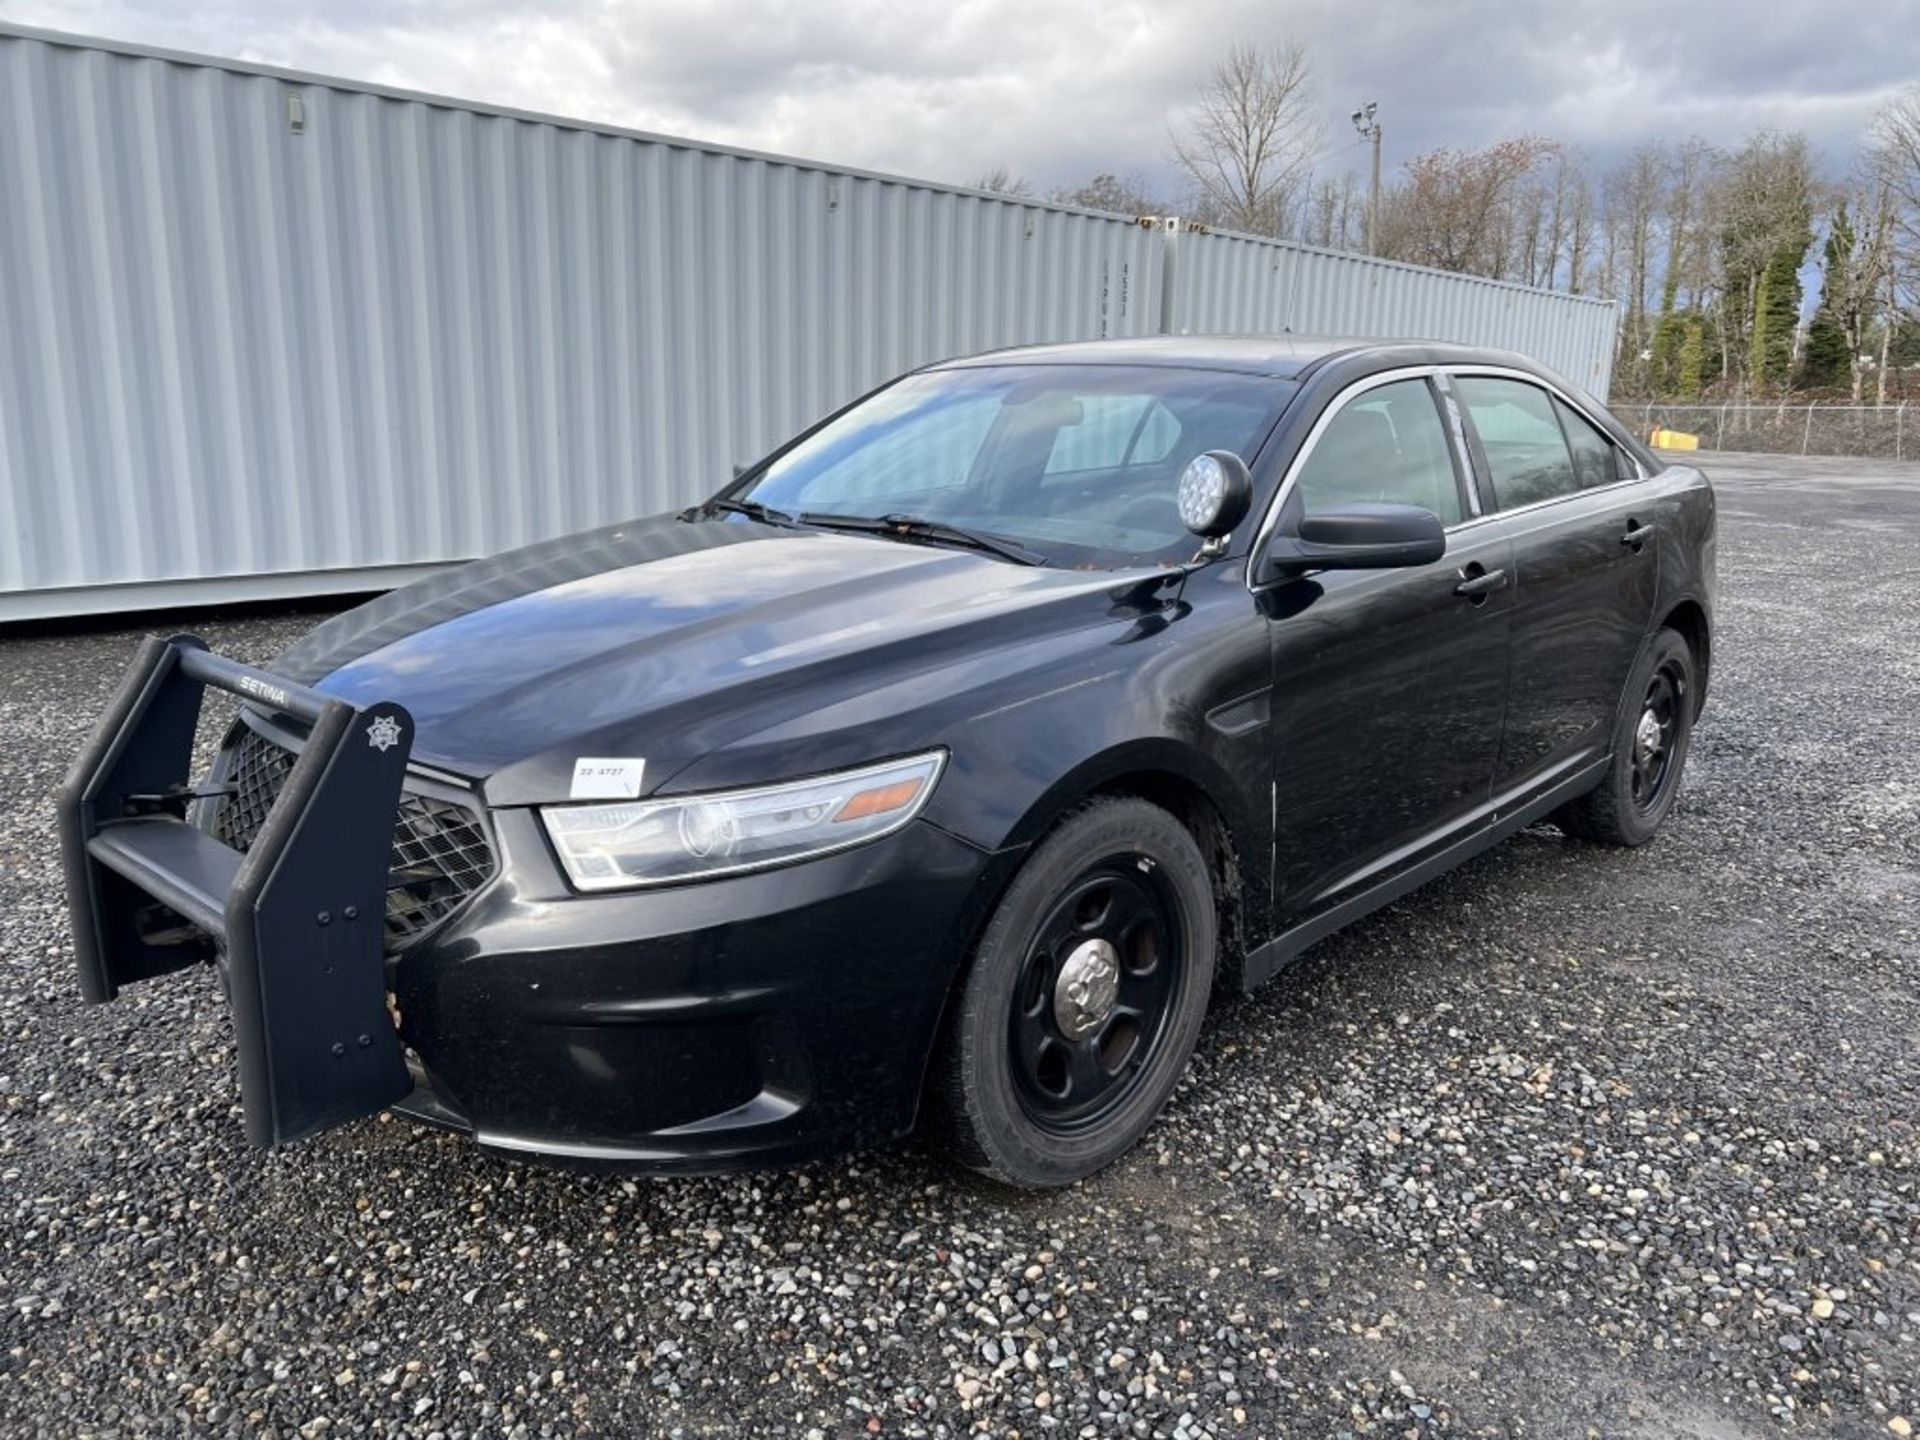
(604, 778)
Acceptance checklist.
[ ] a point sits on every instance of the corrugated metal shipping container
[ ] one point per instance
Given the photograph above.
(1242, 284)
(407, 332)
(264, 333)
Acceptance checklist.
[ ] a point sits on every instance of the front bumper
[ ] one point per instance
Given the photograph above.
(750, 1020)
(757, 1019)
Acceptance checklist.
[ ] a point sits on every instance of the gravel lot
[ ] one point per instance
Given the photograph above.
(1574, 1142)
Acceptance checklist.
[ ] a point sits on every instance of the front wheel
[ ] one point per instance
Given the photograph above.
(1084, 998)
(1650, 743)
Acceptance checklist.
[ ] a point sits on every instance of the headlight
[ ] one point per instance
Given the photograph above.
(691, 837)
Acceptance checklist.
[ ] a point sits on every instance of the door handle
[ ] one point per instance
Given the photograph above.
(1478, 587)
(1637, 535)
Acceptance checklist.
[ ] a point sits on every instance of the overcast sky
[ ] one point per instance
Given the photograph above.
(1057, 90)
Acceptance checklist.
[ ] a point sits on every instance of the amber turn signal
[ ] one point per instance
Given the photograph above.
(879, 801)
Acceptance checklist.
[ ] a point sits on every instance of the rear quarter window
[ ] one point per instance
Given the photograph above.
(1596, 459)
(1527, 455)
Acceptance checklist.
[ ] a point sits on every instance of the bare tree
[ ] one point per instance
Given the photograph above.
(1633, 191)
(1894, 161)
(1535, 241)
(1692, 194)
(1249, 141)
(1335, 215)
(1552, 223)
(1578, 209)
(1128, 194)
(1002, 181)
(1458, 210)
(1856, 279)
(1682, 171)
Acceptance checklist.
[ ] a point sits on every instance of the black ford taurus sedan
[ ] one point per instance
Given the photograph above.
(940, 767)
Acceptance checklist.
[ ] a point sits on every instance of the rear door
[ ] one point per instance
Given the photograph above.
(1388, 685)
(1586, 568)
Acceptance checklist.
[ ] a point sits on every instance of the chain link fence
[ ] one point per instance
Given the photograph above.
(1885, 432)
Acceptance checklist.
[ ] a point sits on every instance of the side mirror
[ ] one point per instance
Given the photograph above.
(1358, 537)
(1215, 493)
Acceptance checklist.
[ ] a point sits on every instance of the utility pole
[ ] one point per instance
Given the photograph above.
(1366, 122)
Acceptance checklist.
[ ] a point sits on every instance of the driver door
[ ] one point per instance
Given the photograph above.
(1389, 686)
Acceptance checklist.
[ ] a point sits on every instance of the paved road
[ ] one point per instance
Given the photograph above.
(1572, 1142)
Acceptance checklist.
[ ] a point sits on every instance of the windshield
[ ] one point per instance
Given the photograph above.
(1078, 463)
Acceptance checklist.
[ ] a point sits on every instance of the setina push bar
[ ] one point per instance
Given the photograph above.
(297, 919)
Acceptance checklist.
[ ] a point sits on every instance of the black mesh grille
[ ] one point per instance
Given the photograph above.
(258, 769)
(440, 856)
(440, 853)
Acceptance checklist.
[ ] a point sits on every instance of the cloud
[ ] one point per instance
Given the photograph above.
(1061, 89)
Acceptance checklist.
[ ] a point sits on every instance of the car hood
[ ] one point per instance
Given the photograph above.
(667, 641)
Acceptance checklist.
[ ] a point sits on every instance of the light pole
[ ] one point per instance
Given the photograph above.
(1366, 122)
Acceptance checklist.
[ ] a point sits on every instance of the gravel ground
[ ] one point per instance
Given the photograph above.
(1573, 1142)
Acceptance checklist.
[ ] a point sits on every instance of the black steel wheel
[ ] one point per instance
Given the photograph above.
(1650, 767)
(1085, 997)
(1094, 996)
(1650, 743)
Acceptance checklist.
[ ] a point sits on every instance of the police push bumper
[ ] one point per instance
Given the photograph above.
(297, 918)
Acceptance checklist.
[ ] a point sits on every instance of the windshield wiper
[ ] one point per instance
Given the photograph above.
(753, 510)
(914, 527)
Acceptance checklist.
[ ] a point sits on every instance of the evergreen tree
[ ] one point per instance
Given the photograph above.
(1757, 338)
(1905, 346)
(1825, 363)
(1693, 358)
(1776, 313)
(1827, 360)
(1669, 334)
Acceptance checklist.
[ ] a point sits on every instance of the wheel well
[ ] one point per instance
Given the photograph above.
(1691, 622)
(1193, 808)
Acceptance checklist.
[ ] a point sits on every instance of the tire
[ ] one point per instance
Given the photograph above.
(1059, 1054)
(1640, 785)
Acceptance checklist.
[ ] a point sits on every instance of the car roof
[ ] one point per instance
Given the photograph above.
(1282, 357)
(1294, 357)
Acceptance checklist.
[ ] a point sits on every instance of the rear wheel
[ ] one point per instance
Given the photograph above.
(1650, 744)
(1084, 998)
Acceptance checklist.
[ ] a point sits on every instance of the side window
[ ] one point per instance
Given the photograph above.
(1384, 445)
(1595, 461)
(1114, 430)
(1526, 452)
(934, 450)
(1157, 437)
(1099, 440)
